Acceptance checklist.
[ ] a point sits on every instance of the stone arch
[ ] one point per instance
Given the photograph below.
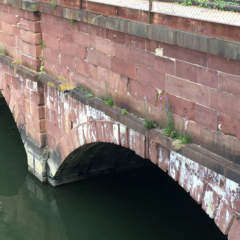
(92, 134)
(218, 196)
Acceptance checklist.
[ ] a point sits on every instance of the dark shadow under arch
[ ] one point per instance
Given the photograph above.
(12, 153)
(95, 159)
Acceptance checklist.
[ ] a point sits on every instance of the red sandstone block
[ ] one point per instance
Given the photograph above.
(113, 83)
(51, 55)
(234, 230)
(197, 189)
(33, 63)
(72, 49)
(145, 59)
(182, 107)
(10, 40)
(42, 126)
(136, 15)
(151, 77)
(153, 152)
(210, 202)
(232, 190)
(105, 46)
(67, 61)
(142, 92)
(30, 50)
(134, 42)
(9, 28)
(224, 217)
(123, 135)
(174, 166)
(33, 26)
(184, 54)
(223, 64)
(114, 36)
(9, 18)
(70, 3)
(86, 69)
(41, 112)
(126, 68)
(137, 143)
(226, 103)
(197, 74)
(30, 37)
(50, 41)
(81, 38)
(99, 59)
(229, 125)
(229, 83)
(188, 90)
(101, 8)
(163, 158)
(206, 117)
(165, 65)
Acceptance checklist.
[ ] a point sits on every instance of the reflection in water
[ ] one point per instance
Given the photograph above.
(145, 205)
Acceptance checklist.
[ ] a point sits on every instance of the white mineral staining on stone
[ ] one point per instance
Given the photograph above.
(197, 188)
(174, 164)
(209, 203)
(80, 135)
(159, 52)
(116, 133)
(160, 156)
(35, 86)
(132, 135)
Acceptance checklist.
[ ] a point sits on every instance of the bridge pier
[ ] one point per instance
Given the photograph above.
(36, 160)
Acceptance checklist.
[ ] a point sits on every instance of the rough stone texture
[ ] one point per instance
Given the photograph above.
(235, 230)
(112, 56)
(55, 117)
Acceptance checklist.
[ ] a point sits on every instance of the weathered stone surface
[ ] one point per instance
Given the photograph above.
(224, 217)
(235, 230)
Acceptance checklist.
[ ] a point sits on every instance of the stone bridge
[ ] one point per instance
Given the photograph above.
(81, 77)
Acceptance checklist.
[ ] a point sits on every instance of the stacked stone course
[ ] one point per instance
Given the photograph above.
(139, 74)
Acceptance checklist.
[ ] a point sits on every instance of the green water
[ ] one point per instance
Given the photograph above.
(141, 205)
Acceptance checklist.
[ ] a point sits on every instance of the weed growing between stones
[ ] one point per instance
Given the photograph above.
(170, 130)
(53, 4)
(3, 52)
(42, 44)
(123, 111)
(109, 101)
(149, 124)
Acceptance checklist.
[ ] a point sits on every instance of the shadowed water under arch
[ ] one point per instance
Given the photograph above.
(143, 204)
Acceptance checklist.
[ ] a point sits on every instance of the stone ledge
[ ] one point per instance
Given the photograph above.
(197, 42)
(174, 9)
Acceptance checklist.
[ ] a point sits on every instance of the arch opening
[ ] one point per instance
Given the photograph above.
(97, 159)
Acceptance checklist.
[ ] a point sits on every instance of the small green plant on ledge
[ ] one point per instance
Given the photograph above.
(109, 101)
(3, 52)
(123, 111)
(72, 21)
(170, 129)
(53, 4)
(42, 44)
(150, 124)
